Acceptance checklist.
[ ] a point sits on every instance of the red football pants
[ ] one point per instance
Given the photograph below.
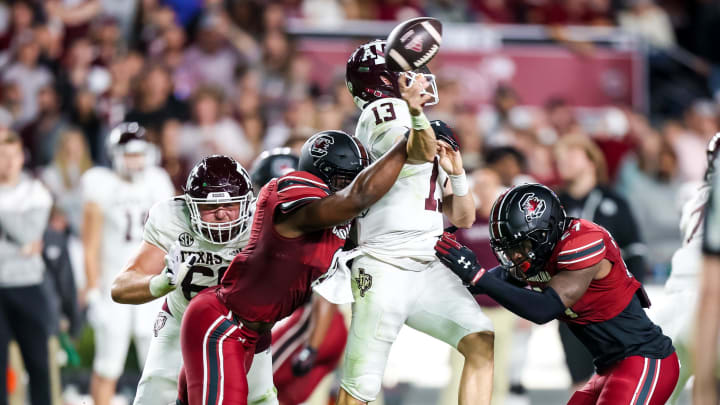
(217, 353)
(635, 380)
(294, 390)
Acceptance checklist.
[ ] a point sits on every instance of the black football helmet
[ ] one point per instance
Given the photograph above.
(128, 138)
(271, 164)
(368, 78)
(713, 149)
(218, 180)
(333, 156)
(526, 223)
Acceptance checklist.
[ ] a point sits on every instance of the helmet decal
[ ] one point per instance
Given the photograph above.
(320, 146)
(532, 206)
(334, 156)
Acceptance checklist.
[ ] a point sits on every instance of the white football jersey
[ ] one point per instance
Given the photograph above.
(124, 206)
(687, 260)
(403, 226)
(169, 222)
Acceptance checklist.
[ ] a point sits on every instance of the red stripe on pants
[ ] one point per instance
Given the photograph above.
(625, 383)
(227, 357)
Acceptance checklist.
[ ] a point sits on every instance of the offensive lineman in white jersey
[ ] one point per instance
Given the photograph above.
(682, 286)
(189, 241)
(116, 203)
(398, 280)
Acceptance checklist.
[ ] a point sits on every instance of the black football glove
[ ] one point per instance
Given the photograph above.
(461, 260)
(304, 361)
(444, 133)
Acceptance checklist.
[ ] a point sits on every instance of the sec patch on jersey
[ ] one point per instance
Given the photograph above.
(413, 43)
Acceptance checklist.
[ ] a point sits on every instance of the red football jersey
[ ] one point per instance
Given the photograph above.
(583, 245)
(273, 275)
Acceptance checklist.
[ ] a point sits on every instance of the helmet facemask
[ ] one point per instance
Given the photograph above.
(220, 232)
(433, 93)
(525, 257)
(341, 179)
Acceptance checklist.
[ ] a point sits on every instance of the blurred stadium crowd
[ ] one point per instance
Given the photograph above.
(224, 76)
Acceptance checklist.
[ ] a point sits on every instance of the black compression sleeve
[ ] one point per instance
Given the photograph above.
(538, 307)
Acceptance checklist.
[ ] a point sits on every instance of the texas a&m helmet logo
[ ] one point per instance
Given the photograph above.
(320, 146)
(532, 206)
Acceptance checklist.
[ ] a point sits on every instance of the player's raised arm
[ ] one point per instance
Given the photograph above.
(421, 146)
(336, 158)
(458, 201)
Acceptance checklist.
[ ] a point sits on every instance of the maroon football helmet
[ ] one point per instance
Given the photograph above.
(217, 180)
(368, 78)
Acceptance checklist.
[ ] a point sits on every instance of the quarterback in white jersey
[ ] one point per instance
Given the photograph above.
(116, 203)
(188, 243)
(682, 287)
(397, 279)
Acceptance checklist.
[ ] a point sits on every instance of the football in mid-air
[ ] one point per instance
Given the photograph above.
(413, 43)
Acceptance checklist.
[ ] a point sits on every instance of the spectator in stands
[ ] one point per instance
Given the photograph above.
(73, 16)
(510, 164)
(112, 104)
(74, 70)
(84, 115)
(22, 16)
(175, 164)
(11, 102)
(24, 210)
(211, 131)
(168, 47)
(456, 11)
(29, 76)
(495, 121)
(648, 21)
(107, 38)
(62, 176)
(560, 117)
(41, 135)
(275, 83)
(585, 194)
(495, 11)
(154, 100)
(646, 179)
(298, 122)
(123, 12)
(470, 136)
(210, 60)
(700, 120)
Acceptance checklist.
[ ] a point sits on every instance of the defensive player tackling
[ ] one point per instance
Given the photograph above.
(577, 276)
